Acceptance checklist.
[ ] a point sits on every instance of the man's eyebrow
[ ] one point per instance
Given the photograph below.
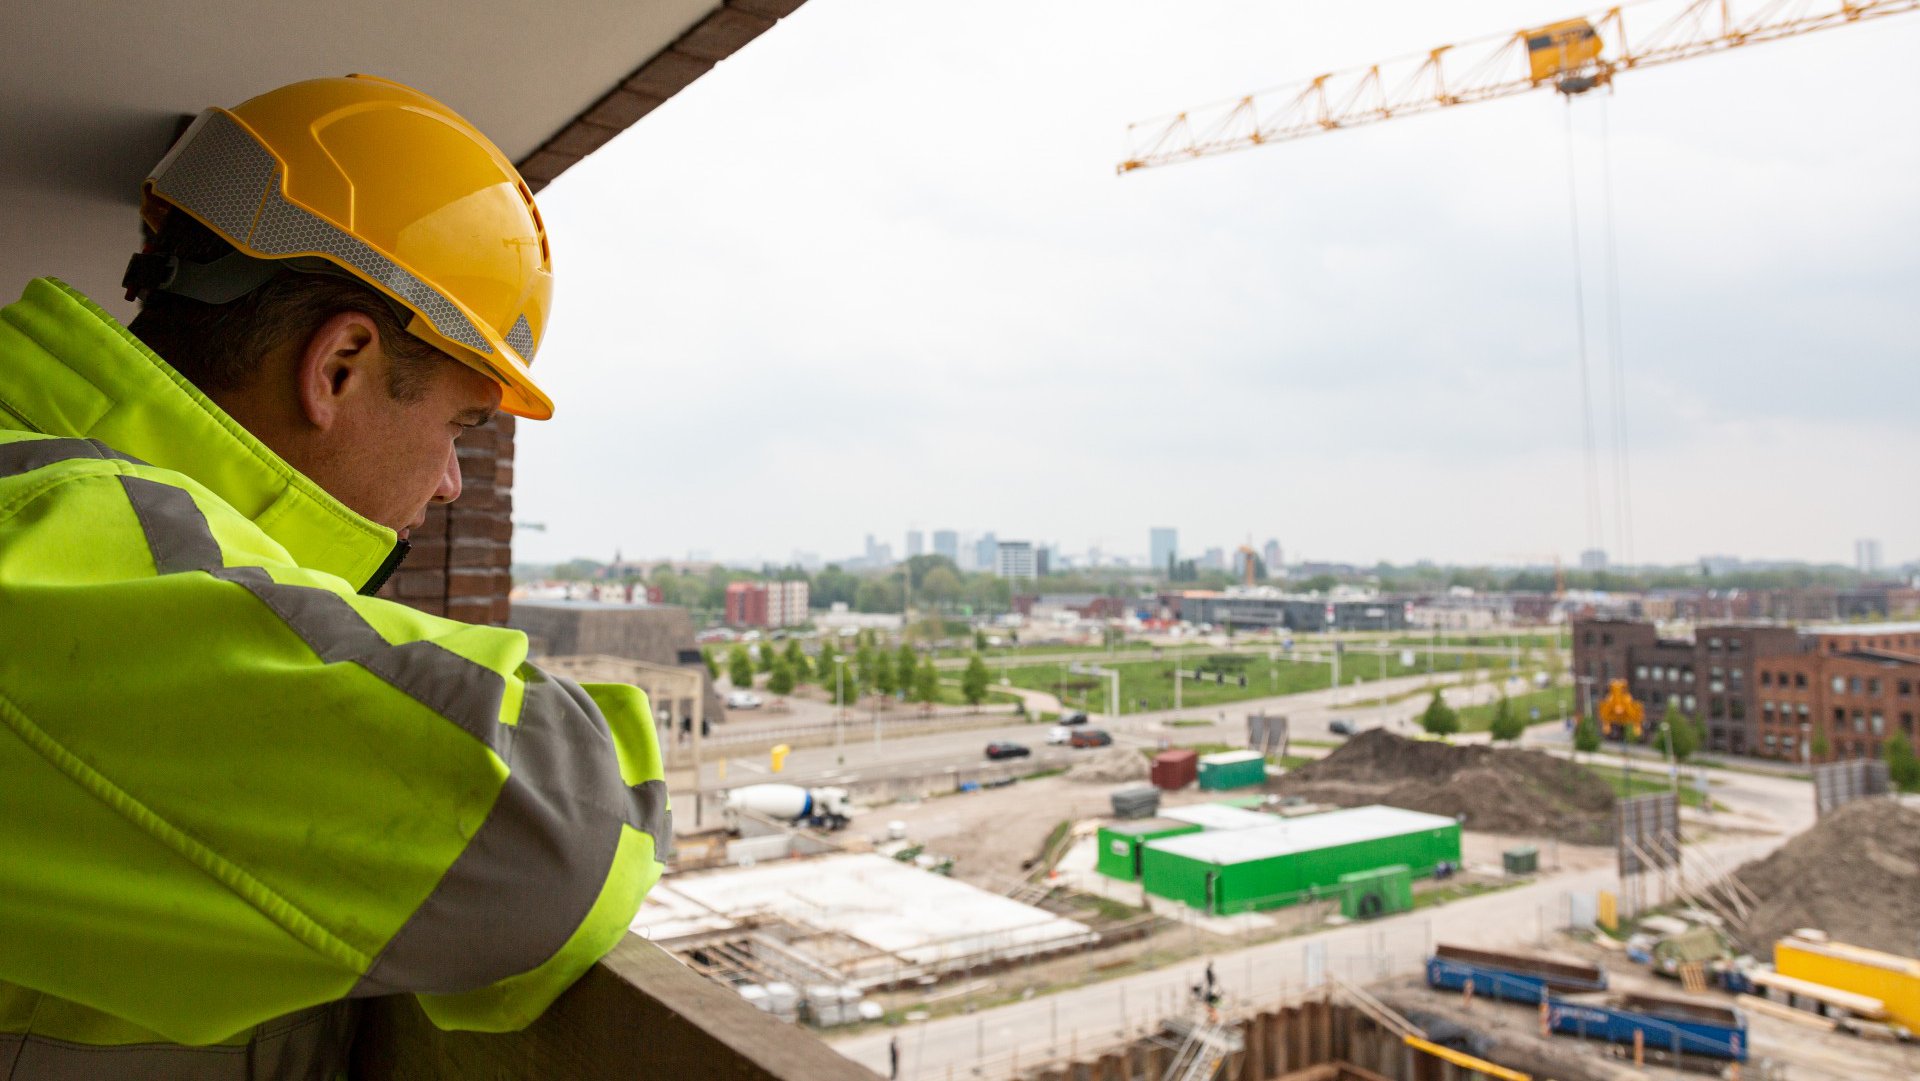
(475, 416)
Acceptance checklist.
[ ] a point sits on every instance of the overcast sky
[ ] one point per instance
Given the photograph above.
(876, 272)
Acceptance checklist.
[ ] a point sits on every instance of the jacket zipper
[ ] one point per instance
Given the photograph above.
(387, 567)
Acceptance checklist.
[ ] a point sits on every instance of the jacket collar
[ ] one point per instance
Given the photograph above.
(67, 368)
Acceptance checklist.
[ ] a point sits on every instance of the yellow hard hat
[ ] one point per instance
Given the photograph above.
(392, 187)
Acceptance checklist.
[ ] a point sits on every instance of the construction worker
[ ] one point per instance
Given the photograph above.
(239, 794)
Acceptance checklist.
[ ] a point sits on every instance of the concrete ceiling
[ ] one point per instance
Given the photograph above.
(91, 90)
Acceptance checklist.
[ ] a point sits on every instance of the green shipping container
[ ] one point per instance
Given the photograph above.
(1299, 859)
(1120, 844)
(1367, 894)
(1523, 860)
(1232, 769)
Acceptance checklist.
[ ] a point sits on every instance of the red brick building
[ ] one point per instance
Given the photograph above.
(1766, 690)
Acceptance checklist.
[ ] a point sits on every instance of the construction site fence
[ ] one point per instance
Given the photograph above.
(1255, 973)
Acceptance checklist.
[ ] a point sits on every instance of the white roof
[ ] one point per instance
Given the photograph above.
(1219, 816)
(1304, 834)
(1862, 628)
(1228, 757)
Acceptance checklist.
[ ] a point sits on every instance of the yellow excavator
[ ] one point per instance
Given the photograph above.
(1621, 717)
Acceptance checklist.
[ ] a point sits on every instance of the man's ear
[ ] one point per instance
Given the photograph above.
(338, 363)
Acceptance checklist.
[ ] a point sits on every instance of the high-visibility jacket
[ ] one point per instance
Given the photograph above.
(236, 794)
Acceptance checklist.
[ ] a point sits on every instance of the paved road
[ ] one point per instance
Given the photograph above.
(1094, 1015)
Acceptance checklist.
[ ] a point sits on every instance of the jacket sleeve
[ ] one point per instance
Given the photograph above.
(231, 788)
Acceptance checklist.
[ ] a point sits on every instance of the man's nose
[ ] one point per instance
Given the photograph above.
(449, 489)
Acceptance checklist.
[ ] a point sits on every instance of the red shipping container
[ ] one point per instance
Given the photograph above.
(1175, 769)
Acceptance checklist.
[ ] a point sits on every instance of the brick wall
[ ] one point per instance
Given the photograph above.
(459, 564)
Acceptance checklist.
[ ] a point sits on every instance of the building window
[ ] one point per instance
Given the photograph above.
(1859, 721)
(1804, 713)
(1733, 645)
(1738, 676)
(1839, 717)
(1906, 723)
(1839, 684)
(1691, 703)
(1606, 639)
(1713, 644)
(1879, 724)
(1639, 671)
(1873, 687)
(1587, 638)
(1716, 707)
(1766, 678)
(1799, 679)
(1769, 740)
(1906, 688)
(1737, 708)
(1787, 742)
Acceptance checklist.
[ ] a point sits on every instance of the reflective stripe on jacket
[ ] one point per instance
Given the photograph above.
(234, 791)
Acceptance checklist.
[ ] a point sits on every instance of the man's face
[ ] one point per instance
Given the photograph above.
(388, 458)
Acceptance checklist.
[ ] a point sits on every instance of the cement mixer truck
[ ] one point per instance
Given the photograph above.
(820, 808)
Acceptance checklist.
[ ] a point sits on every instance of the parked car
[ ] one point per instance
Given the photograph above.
(1340, 726)
(1074, 718)
(1058, 735)
(1003, 749)
(1089, 737)
(743, 700)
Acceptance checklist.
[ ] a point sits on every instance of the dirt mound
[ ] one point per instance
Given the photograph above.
(1499, 791)
(1111, 765)
(1855, 875)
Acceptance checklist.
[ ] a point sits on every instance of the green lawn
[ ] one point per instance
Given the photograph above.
(1553, 703)
(1640, 783)
(1148, 685)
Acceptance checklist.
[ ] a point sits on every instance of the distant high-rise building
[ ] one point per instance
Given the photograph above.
(947, 543)
(1163, 546)
(1013, 559)
(916, 543)
(1866, 556)
(1593, 559)
(1272, 553)
(985, 552)
(1214, 559)
(878, 554)
(1043, 560)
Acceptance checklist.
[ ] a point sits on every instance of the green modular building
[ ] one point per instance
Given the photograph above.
(1301, 858)
(1232, 769)
(1120, 844)
(1220, 816)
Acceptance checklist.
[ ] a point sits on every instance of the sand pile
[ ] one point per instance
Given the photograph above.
(1499, 791)
(1111, 765)
(1855, 875)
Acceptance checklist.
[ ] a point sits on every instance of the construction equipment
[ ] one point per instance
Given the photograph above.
(821, 808)
(1209, 1041)
(1572, 56)
(1620, 716)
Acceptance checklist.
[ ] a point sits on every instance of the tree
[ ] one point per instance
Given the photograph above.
(1440, 718)
(941, 586)
(883, 680)
(1822, 747)
(1508, 725)
(824, 662)
(780, 679)
(973, 682)
(740, 667)
(796, 660)
(763, 656)
(979, 641)
(1902, 766)
(926, 684)
(1586, 735)
(842, 685)
(863, 661)
(713, 666)
(905, 663)
(1683, 735)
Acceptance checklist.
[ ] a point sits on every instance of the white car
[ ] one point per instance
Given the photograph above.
(742, 700)
(1058, 735)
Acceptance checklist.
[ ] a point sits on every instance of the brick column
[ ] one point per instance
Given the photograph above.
(459, 564)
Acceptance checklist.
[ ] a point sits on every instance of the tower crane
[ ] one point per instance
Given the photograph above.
(1572, 56)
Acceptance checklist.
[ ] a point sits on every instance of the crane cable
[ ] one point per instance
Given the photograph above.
(1594, 531)
(1616, 362)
